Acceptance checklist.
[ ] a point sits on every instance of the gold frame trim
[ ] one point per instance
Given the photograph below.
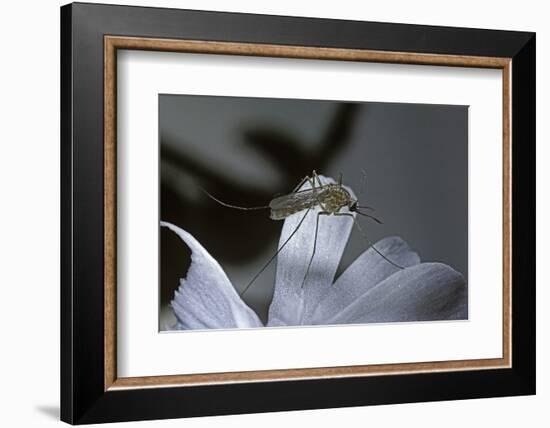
(112, 43)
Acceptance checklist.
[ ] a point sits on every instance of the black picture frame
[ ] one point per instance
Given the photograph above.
(83, 396)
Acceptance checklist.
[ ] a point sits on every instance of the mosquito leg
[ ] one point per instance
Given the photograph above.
(306, 178)
(319, 214)
(225, 204)
(313, 186)
(367, 239)
(316, 177)
(363, 182)
(275, 255)
(369, 216)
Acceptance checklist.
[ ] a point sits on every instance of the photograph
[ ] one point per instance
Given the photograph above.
(278, 212)
(282, 210)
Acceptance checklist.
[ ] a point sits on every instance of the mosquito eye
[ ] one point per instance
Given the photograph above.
(353, 206)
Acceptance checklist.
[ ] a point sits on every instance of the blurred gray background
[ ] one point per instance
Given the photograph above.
(245, 151)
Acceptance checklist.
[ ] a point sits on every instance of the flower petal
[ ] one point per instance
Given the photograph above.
(369, 269)
(292, 302)
(206, 298)
(423, 292)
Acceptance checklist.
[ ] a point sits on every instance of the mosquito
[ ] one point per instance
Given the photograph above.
(331, 198)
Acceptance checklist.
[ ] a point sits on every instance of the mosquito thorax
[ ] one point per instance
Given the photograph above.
(336, 198)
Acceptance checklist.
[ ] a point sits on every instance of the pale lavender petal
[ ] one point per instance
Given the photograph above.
(423, 292)
(369, 269)
(206, 298)
(291, 303)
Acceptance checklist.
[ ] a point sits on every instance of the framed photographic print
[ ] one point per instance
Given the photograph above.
(265, 213)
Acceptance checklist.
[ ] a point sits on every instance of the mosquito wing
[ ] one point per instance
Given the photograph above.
(283, 206)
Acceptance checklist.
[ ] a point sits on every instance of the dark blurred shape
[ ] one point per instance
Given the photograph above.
(289, 154)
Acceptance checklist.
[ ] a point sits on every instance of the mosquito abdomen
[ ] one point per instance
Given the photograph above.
(281, 214)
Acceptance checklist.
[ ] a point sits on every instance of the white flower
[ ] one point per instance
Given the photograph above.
(370, 290)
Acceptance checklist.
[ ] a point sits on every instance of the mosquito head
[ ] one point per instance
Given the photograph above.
(354, 207)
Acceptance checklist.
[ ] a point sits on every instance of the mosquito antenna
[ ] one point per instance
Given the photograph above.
(363, 183)
(233, 206)
(365, 207)
(372, 245)
(275, 255)
(369, 216)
